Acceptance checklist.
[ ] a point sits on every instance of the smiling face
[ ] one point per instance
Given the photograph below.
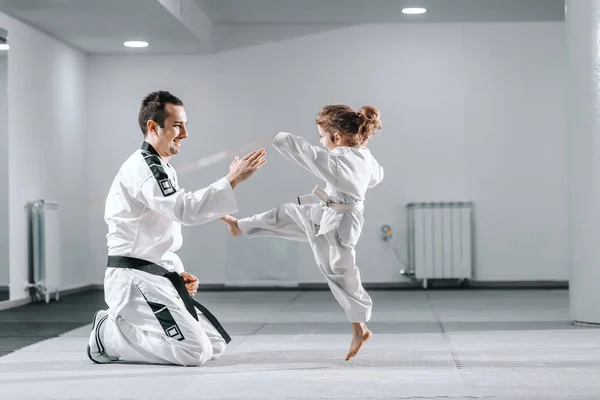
(163, 122)
(166, 140)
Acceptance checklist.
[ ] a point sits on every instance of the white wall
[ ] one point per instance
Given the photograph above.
(4, 265)
(470, 112)
(46, 147)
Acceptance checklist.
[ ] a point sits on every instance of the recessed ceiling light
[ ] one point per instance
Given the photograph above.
(135, 43)
(414, 10)
(4, 46)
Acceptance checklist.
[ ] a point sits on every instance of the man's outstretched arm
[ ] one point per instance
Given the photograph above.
(204, 205)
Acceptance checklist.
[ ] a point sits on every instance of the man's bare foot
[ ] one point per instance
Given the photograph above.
(359, 336)
(232, 225)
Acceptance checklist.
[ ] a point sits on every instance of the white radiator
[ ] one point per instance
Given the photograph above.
(440, 240)
(44, 250)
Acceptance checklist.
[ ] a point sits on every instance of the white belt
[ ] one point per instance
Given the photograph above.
(320, 193)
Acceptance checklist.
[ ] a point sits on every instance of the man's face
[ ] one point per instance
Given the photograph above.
(168, 139)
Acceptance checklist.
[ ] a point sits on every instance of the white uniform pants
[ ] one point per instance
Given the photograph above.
(336, 261)
(148, 323)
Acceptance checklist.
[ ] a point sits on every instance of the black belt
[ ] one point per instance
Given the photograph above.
(176, 280)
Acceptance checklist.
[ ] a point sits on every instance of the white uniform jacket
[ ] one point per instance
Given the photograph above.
(348, 173)
(144, 211)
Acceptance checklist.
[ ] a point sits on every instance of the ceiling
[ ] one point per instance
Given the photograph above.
(101, 26)
(382, 11)
(189, 26)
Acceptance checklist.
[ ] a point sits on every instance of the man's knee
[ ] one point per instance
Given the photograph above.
(197, 349)
(195, 357)
(218, 346)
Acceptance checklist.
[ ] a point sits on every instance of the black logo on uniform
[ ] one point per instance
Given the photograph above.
(166, 187)
(174, 332)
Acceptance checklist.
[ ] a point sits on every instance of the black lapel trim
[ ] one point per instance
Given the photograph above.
(153, 160)
(148, 147)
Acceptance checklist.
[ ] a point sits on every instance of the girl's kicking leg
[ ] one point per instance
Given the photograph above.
(287, 221)
(336, 262)
(232, 225)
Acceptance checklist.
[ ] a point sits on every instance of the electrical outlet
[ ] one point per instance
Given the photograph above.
(386, 233)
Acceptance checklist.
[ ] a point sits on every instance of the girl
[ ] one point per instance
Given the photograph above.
(330, 220)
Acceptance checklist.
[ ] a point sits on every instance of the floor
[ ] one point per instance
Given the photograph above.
(451, 344)
(26, 325)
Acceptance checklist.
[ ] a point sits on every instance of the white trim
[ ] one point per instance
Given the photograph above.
(265, 283)
(6, 304)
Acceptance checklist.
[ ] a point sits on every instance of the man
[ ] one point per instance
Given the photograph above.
(151, 316)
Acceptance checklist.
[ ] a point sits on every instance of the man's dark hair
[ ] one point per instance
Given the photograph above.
(153, 108)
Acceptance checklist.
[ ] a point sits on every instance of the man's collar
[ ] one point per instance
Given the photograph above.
(148, 147)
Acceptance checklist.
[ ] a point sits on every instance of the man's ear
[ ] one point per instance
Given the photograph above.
(152, 127)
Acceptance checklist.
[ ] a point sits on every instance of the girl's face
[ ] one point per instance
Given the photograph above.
(326, 139)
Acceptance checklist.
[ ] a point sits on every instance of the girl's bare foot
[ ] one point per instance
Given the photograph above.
(360, 334)
(232, 225)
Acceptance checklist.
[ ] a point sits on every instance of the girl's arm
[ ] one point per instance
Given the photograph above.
(312, 158)
(377, 175)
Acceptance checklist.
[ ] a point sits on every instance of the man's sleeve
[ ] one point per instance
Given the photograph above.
(158, 193)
